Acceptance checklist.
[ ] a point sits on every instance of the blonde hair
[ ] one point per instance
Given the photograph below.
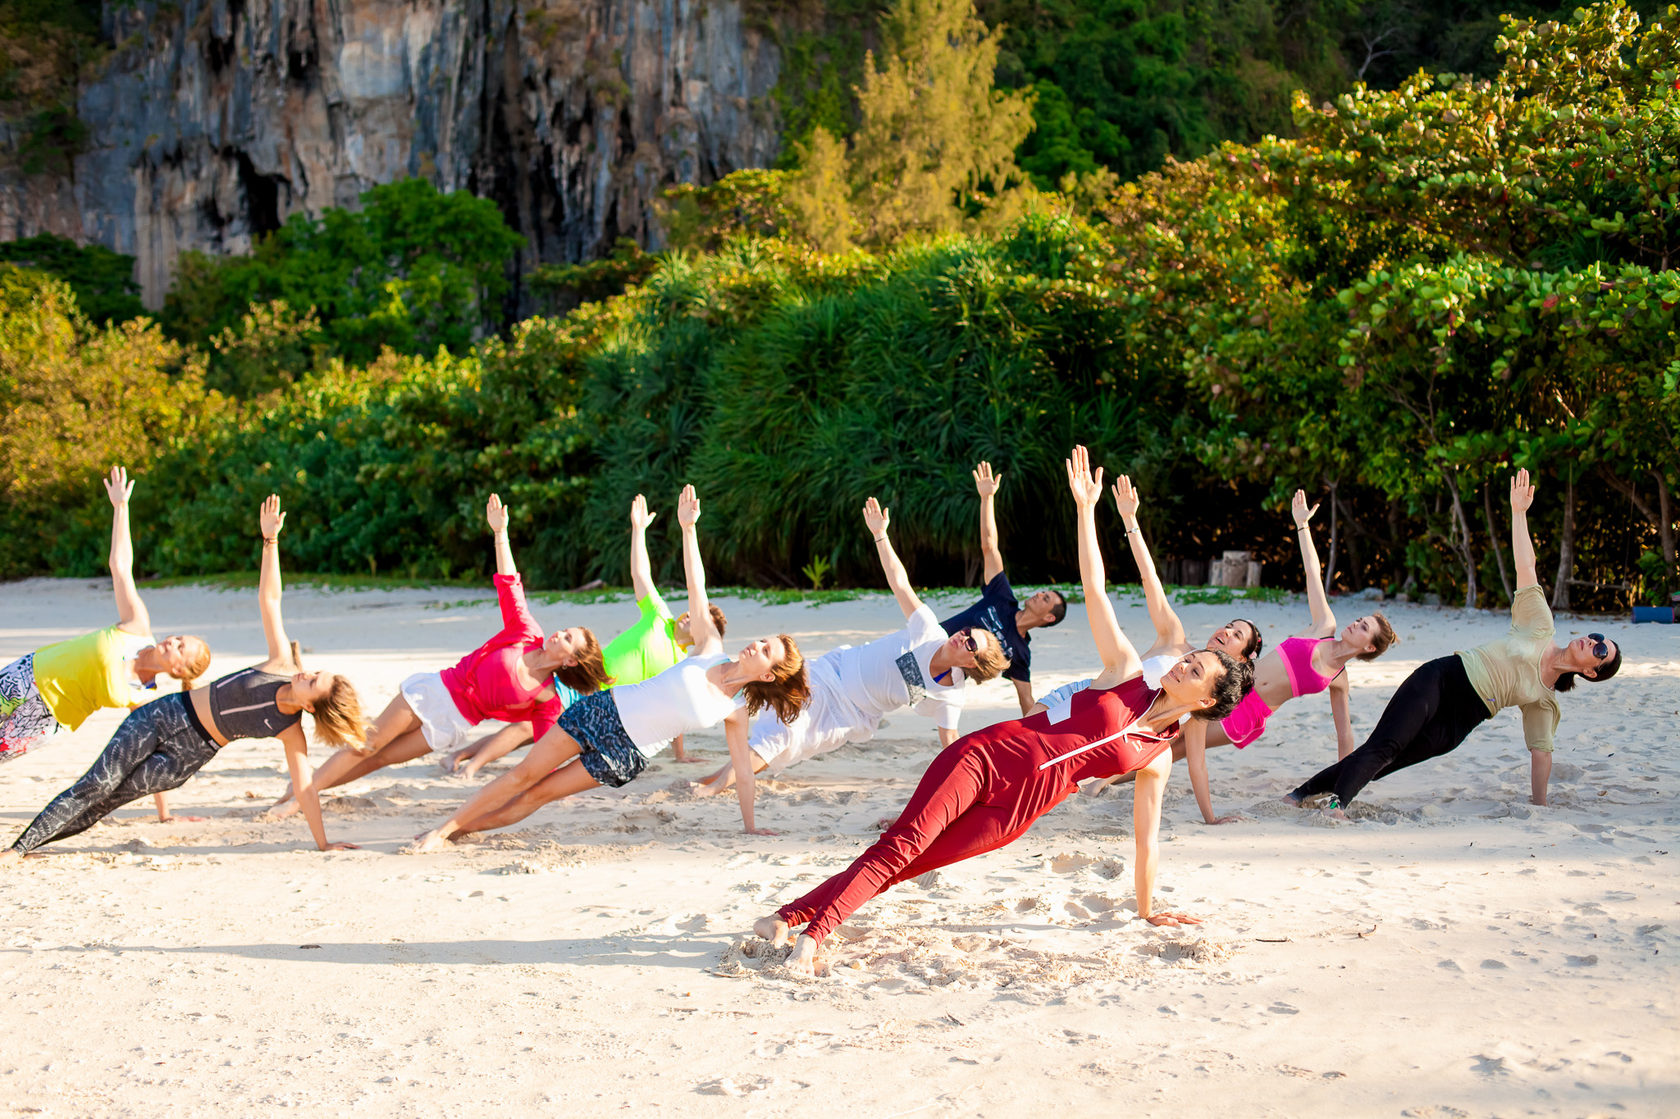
(589, 674)
(789, 691)
(339, 720)
(196, 667)
(1385, 637)
(990, 661)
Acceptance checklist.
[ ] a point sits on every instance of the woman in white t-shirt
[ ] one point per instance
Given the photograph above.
(854, 687)
(612, 734)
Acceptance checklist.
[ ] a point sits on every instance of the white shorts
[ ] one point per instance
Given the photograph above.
(442, 723)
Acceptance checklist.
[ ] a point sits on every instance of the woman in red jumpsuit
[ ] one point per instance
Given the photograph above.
(986, 789)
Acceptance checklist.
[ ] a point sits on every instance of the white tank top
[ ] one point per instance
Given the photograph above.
(676, 701)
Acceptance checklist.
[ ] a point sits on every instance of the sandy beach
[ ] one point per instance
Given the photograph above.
(1451, 951)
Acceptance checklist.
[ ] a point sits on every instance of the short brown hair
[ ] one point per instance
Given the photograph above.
(788, 693)
(990, 661)
(589, 674)
(338, 718)
(719, 622)
(1384, 638)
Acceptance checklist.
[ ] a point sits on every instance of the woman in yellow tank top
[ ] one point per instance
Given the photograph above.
(57, 687)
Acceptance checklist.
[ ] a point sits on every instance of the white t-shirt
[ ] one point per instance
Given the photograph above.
(676, 701)
(894, 671)
(129, 646)
(1060, 702)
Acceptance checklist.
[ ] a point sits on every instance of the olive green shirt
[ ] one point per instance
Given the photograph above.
(1506, 673)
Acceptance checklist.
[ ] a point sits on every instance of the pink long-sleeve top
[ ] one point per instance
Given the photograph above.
(485, 684)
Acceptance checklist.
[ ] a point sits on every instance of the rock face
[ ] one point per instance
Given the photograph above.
(214, 120)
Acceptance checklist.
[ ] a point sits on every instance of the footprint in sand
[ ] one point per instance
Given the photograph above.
(1489, 1066)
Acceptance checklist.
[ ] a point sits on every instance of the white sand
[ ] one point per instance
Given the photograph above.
(1453, 951)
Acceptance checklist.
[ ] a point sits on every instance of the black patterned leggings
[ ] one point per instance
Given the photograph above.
(155, 749)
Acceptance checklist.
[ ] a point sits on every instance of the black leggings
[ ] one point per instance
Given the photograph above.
(1433, 711)
(156, 749)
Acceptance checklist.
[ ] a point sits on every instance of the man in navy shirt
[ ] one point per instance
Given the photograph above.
(998, 610)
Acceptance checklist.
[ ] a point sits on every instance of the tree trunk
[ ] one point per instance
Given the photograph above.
(1665, 529)
(1498, 552)
(1462, 545)
(1566, 550)
(1330, 568)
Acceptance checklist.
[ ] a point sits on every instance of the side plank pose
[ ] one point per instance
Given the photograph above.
(1438, 705)
(612, 734)
(58, 686)
(1312, 661)
(656, 642)
(987, 789)
(514, 677)
(159, 746)
(998, 611)
(854, 687)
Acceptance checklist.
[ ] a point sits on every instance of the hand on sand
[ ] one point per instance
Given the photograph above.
(433, 840)
(689, 759)
(1232, 819)
(176, 818)
(341, 847)
(760, 831)
(455, 759)
(1172, 919)
(773, 929)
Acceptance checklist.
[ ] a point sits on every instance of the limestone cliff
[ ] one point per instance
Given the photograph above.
(211, 121)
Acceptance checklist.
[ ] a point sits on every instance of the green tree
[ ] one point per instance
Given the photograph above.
(411, 270)
(103, 280)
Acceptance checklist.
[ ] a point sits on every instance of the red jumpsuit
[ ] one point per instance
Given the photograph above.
(985, 790)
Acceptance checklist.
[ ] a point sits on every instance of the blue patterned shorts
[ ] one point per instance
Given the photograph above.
(607, 753)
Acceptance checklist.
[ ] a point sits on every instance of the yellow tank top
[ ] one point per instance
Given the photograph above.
(79, 676)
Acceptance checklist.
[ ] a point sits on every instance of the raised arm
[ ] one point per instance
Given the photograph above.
(1522, 547)
(271, 520)
(497, 515)
(1322, 617)
(1120, 659)
(641, 571)
(707, 640)
(986, 484)
(131, 610)
(1169, 631)
(898, 580)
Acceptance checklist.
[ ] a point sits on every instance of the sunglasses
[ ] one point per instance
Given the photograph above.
(1602, 649)
(969, 642)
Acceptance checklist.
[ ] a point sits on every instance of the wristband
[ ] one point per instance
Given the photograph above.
(271, 540)
(880, 538)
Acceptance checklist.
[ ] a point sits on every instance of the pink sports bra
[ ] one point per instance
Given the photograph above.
(1297, 654)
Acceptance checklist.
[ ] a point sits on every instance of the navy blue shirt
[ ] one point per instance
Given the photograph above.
(996, 611)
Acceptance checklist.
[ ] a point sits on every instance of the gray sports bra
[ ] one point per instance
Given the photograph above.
(243, 705)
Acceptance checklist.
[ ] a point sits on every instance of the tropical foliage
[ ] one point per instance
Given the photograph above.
(1421, 290)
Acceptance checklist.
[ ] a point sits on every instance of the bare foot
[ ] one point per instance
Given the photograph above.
(760, 831)
(1172, 919)
(773, 929)
(702, 788)
(804, 958)
(281, 810)
(455, 759)
(173, 818)
(12, 855)
(1335, 813)
(1291, 798)
(690, 758)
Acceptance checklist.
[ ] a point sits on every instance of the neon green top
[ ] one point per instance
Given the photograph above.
(645, 649)
(79, 676)
(1506, 673)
